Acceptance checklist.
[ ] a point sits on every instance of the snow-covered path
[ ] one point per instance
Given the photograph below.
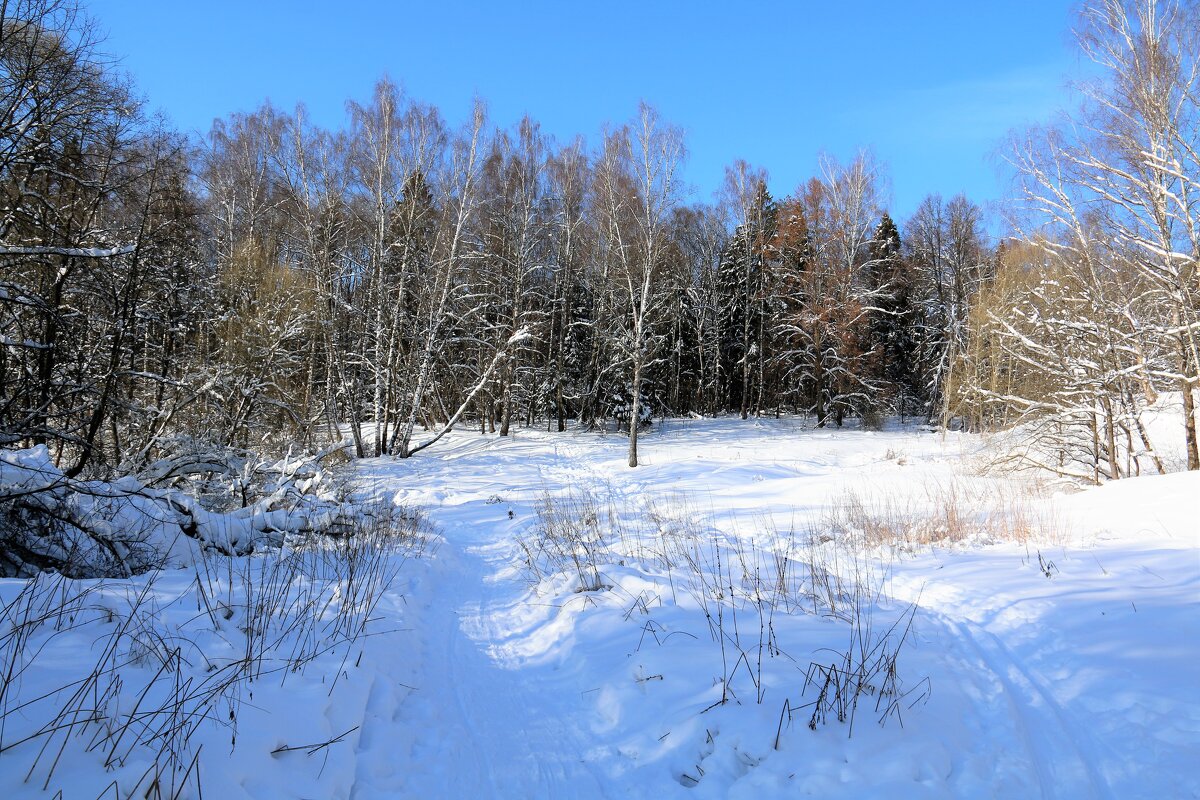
(469, 726)
(478, 723)
(1078, 685)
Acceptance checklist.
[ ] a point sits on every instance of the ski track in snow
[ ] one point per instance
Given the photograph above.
(1056, 744)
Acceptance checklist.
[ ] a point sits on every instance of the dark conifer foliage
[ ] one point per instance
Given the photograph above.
(745, 294)
(894, 321)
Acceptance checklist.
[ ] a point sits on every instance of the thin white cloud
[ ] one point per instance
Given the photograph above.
(978, 110)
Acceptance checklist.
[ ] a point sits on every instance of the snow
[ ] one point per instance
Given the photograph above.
(1163, 421)
(70, 252)
(1061, 665)
(148, 526)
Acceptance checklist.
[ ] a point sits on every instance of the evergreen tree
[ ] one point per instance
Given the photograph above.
(893, 320)
(743, 283)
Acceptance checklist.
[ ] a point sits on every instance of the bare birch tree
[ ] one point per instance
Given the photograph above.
(1116, 186)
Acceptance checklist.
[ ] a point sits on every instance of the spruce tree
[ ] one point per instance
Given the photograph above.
(743, 283)
(894, 320)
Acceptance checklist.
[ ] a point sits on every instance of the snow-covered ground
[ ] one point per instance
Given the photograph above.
(679, 643)
(1080, 684)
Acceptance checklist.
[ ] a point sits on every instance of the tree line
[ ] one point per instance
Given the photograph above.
(280, 284)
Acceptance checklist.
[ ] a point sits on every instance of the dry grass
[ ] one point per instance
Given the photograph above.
(741, 583)
(573, 535)
(153, 683)
(741, 579)
(950, 513)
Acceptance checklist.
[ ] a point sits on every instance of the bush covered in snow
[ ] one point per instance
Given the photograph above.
(621, 408)
(175, 509)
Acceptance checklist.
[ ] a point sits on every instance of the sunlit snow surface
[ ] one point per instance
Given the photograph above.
(486, 680)
(1083, 684)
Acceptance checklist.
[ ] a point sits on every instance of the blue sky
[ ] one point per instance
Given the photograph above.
(932, 86)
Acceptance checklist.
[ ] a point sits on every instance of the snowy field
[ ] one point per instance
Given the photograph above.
(760, 610)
